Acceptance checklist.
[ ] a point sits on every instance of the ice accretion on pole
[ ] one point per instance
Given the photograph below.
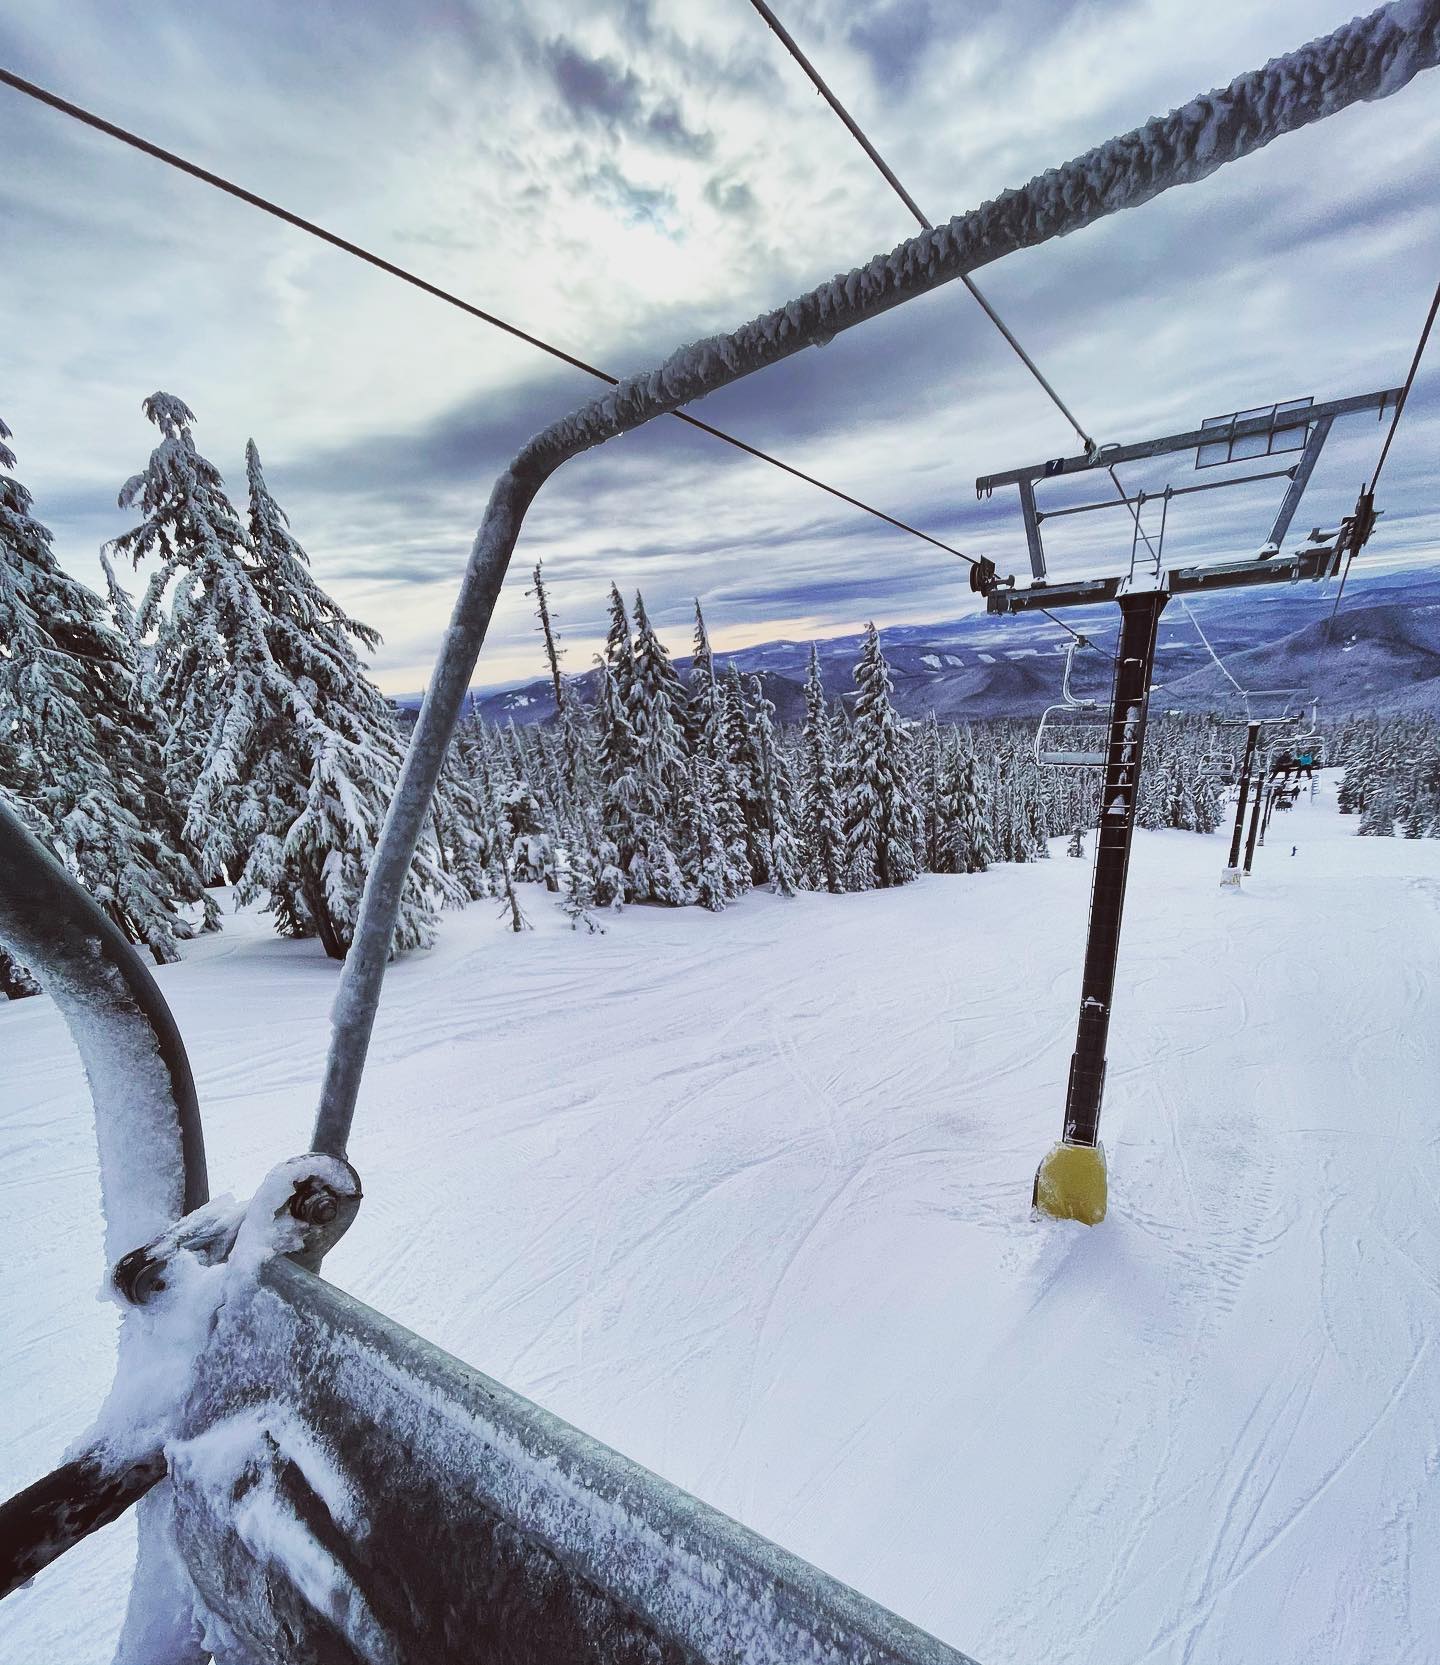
(1369, 58)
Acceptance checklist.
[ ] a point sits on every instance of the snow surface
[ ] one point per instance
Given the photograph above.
(748, 1202)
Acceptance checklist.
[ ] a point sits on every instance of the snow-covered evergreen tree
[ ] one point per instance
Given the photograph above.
(617, 762)
(501, 836)
(532, 852)
(823, 823)
(619, 652)
(657, 687)
(662, 768)
(930, 796)
(710, 742)
(1378, 820)
(745, 769)
(299, 752)
(78, 756)
(581, 889)
(968, 847)
(782, 851)
(706, 855)
(882, 822)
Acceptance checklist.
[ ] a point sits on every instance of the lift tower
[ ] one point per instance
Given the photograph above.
(1071, 1182)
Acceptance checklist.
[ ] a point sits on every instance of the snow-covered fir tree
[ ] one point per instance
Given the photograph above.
(581, 886)
(882, 821)
(929, 796)
(78, 753)
(532, 852)
(710, 743)
(822, 820)
(298, 752)
(658, 701)
(967, 846)
(706, 855)
(661, 768)
(783, 861)
(745, 768)
(617, 763)
(486, 765)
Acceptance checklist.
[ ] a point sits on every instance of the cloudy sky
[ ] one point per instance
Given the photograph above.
(620, 176)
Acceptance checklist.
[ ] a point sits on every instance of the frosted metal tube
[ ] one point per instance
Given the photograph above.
(152, 1149)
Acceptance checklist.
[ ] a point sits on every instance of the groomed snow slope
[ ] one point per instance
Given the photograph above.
(747, 1198)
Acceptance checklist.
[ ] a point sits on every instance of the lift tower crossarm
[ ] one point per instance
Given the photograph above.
(1269, 430)
(1312, 562)
(1191, 440)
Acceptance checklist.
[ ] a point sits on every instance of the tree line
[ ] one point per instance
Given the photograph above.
(1391, 773)
(220, 727)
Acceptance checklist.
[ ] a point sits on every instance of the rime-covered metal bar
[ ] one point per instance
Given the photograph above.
(1368, 58)
(147, 1118)
(396, 1505)
(152, 1165)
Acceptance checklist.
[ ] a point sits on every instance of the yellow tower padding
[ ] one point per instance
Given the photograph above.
(1070, 1184)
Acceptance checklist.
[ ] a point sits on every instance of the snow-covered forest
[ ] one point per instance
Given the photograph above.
(221, 728)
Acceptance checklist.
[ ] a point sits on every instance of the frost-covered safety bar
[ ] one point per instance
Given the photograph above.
(152, 1153)
(159, 1222)
(147, 1120)
(389, 1504)
(1368, 58)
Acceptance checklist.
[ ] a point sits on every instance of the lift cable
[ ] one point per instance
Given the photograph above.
(1367, 497)
(1084, 641)
(1420, 345)
(788, 41)
(125, 136)
(1185, 606)
(793, 48)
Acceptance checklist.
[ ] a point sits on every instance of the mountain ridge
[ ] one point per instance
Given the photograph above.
(1381, 651)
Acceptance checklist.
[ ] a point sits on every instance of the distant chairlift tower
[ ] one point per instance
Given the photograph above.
(1071, 1183)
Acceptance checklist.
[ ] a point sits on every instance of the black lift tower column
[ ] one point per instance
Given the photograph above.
(1134, 664)
(1231, 875)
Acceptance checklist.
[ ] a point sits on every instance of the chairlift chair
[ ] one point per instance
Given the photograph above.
(1071, 735)
(1309, 750)
(340, 1491)
(1218, 761)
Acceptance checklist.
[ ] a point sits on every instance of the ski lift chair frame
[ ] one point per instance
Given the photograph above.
(1221, 767)
(1063, 741)
(1308, 747)
(486, 1529)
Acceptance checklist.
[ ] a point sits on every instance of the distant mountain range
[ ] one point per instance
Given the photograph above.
(1383, 654)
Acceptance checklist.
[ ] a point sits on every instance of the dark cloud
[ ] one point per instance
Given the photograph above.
(637, 204)
(730, 196)
(594, 86)
(603, 90)
(894, 40)
(666, 126)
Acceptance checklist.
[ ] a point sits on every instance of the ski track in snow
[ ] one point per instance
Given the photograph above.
(746, 1197)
